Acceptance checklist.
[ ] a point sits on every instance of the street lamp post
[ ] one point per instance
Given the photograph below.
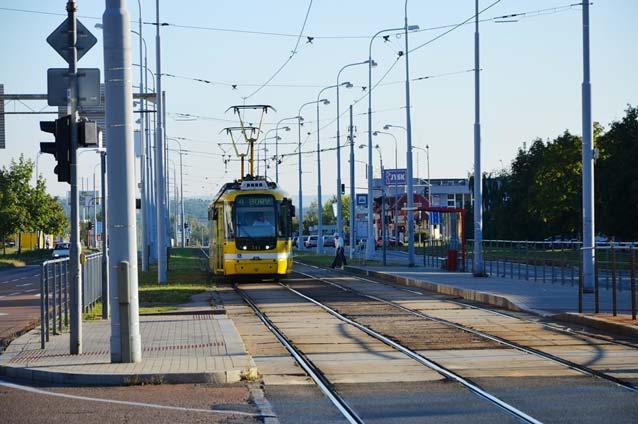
(300, 214)
(339, 205)
(181, 190)
(370, 242)
(319, 203)
(277, 144)
(427, 157)
(408, 124)
(396, 189)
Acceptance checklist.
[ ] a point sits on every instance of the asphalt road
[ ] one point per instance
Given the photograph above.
(157, 404)
(19, 299)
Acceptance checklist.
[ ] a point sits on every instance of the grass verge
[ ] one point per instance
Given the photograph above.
(185, 279)
(13, 259)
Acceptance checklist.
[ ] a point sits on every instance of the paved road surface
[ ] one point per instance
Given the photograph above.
(19, 300)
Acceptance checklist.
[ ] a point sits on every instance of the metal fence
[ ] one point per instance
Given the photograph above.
(560, 262)
(55, 296)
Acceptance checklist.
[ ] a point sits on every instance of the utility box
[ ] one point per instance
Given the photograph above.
(452, 254)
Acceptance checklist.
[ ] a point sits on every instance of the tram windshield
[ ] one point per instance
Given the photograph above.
(255, 216)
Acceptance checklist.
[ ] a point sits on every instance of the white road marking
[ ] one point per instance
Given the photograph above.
(24, 285)
(14, 294)
(3, 313)
(128, 403)
(412, 291)
(30, 290)
(37, 295)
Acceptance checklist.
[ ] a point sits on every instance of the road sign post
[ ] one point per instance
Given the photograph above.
(72, 40)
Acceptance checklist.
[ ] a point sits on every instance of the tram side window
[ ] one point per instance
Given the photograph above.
(283, 227)
(228, 220)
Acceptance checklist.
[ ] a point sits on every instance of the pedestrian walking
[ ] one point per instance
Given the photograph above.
(340, 257)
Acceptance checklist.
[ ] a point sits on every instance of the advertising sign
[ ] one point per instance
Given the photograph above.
(395, 176)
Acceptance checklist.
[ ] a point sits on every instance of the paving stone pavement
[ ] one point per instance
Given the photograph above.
(193, 347)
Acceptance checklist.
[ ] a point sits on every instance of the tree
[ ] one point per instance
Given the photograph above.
(14, 190)
(617, 178)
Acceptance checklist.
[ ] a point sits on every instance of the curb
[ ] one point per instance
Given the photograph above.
(600, 324)
(82, 379)
(474, 295)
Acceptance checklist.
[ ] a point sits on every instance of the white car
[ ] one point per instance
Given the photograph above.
(61, 250)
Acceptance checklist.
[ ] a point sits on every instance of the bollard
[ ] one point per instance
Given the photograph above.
(124, 301)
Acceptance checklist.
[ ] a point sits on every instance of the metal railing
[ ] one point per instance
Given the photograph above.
(560, 262)
(54, 292)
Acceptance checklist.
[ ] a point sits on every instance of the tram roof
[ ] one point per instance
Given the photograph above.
(231, 190)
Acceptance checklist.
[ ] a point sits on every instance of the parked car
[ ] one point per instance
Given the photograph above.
(311, 241)
(392, 241)
(328, 241)
(61, 250)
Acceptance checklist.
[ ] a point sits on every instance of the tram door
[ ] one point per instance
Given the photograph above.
(219, 240)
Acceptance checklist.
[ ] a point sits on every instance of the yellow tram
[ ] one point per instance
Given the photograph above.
(250, 226)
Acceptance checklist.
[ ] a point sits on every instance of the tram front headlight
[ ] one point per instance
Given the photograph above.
(245, 247)
(267, 247)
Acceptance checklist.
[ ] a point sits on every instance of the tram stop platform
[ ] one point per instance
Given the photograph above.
(556, 301)
(189, 345)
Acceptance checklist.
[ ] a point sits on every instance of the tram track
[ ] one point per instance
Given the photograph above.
(328, 388)
(500, 340)
(553, 327)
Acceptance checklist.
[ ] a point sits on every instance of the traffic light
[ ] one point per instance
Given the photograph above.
(343, 189)
(61, 148)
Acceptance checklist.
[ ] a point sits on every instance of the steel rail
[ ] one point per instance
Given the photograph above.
(424, 361)
(525, 349)
(306, 364)
(554, 327)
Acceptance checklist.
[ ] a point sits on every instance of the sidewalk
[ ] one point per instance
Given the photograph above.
(193, 345)
(544, 299)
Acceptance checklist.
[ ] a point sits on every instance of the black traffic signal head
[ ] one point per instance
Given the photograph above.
(343, 189)
(61, 148)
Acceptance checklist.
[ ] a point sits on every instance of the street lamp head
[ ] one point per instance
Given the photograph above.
(387, 126)
(375, 133)
(286, 128)
(372, 63)
(347, 84)
(413, 27)
(363, 146)
(325, 101)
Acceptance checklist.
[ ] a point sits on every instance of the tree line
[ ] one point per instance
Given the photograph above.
(25, 207)
(540, 195)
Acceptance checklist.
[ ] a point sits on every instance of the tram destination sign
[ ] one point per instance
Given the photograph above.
(254, 201)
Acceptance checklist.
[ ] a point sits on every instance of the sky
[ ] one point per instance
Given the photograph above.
(531, 74)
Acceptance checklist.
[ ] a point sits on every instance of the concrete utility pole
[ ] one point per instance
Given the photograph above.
(118, 93)
(589, 252)
(160, 183)
(352, 184)
(144, 186)
(478, 180)
(75, 338)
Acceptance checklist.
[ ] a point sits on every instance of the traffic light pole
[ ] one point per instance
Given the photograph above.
(76, 276)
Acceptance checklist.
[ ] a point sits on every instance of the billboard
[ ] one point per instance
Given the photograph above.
(395, 176)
